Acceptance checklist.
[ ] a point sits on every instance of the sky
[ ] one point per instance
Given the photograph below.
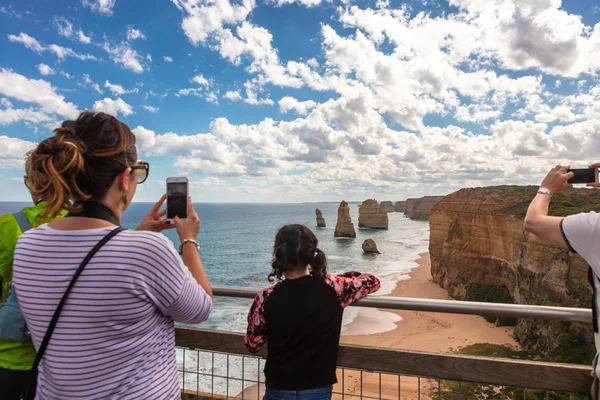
(310, 100)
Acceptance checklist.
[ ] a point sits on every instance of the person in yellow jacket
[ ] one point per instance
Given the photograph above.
(16, 358)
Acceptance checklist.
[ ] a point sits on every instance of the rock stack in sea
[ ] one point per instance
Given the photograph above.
(320, 219)
(399, 207)
(344, 226)
(369, 246)
(371, 215)
(387, 206)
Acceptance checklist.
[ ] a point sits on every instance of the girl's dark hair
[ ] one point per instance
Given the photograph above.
(296, 247)
(81, 161)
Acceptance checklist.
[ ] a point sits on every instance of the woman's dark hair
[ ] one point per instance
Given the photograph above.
(296, 247)
(81, 161)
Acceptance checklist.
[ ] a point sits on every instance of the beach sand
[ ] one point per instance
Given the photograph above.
(414, 330)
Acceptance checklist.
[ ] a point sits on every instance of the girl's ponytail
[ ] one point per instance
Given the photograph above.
(318, 265)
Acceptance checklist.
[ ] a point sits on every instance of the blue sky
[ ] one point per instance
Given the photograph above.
(308, 100)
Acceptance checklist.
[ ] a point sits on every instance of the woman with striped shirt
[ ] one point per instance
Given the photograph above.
(115, 337)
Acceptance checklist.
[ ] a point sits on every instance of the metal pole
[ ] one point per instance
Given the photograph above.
(446, 306)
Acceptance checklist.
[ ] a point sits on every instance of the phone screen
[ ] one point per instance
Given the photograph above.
(583, 175)
(177, 199)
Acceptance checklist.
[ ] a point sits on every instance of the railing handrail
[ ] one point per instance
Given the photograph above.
(583, 315)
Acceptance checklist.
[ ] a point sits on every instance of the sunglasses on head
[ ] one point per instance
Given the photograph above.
(142, 170)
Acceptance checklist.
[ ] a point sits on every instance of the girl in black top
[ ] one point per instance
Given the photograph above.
(300, 317)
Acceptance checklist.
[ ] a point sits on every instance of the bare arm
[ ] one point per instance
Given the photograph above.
(537, 220)
(188, 229)
(191, 259)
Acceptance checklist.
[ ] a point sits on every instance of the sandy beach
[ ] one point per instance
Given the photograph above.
(410, 330)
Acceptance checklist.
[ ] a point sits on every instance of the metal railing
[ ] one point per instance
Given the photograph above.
(446, 306)
(216, 364)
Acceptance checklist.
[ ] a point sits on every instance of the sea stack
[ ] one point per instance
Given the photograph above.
(399, 207)
(387, 206)
(369, 246)
(344, 226)
(320, 219)
(371, 215)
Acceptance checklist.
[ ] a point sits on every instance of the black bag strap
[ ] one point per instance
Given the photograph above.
(592, 279)
(60, 306)
(22, 221)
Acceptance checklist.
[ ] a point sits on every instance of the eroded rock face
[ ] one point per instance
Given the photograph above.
(420, 208)
(399, 207)
(369, 246)
(408, 205)
(477, 245)
(387, 206)
(320, 219)
(344, 226)
(371, 215)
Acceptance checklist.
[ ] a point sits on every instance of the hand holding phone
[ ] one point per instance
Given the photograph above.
(189, 227)
(583, 175)
(177, 197)
(594, 184)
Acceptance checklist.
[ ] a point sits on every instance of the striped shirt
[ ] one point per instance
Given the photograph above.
(115, 337)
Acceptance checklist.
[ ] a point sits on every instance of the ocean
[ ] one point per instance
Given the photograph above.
(236, 244)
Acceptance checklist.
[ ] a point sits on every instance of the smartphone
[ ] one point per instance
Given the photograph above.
(177, 195)
(584, 175)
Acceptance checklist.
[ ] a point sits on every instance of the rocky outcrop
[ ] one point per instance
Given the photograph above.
(344, 226)
(408, 205)
(369, 246)
(399, 207)
(421, 208)
(387, 206)
(371, 215)
(479, 252)
(320, 219)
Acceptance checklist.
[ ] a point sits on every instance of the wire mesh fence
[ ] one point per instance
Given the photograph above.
(208, 374)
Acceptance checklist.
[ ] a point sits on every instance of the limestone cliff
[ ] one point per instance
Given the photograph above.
(371, 215)
(387, 206)
(421, 208)
(344, 226)
(399, 207)
(320, 219)
(479, 252)
(408, 205)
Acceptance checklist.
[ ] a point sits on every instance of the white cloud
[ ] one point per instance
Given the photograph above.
(100, 6)
(12, 152)
(29, 42)
(97, 88)
(152, 109)
(288, 103)
(61, 52)
(135, 34)
(83, 38)
(168, 59)
(45, 69)
(307, 3)
(201, 21)
(201, 80)
(11, 12)
(64, 26)
(123, 54)
(113, 107)
(233, 95)
(118, 90)
(35, 91)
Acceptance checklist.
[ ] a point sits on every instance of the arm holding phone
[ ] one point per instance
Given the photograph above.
(188, 229)
(537, 220)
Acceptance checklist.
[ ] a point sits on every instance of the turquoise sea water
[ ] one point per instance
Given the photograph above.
(236, 243)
